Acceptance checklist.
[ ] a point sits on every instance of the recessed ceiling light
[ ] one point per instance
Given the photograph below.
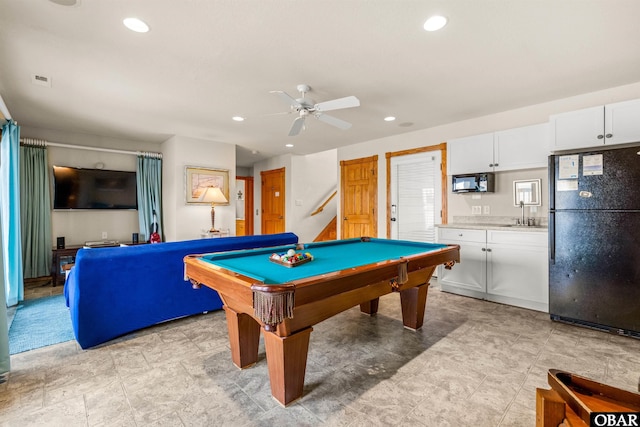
(135, 24)
(435, 23)
(238, 118)
(389, 119)
(288, 145)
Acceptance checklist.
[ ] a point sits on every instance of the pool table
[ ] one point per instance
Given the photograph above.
(285, 302)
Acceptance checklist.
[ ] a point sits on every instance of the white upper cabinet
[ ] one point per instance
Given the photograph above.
(617, 123)
(472, 154)
(622, 122)
(576, 129)
(520, 148)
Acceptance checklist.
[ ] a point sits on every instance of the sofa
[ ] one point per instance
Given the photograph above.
(114, 291)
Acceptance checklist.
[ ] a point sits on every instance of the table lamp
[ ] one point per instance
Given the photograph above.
(214, 196)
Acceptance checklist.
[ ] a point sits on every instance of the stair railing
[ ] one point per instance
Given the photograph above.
(326, 202)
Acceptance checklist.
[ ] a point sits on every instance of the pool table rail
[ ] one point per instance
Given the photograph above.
(240, 288)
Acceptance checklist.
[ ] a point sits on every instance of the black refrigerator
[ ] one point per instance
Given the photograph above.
(594, 239)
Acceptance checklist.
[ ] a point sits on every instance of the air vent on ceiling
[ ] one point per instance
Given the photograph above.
(40, 80)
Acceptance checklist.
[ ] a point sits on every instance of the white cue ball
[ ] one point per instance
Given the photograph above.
(291, 252)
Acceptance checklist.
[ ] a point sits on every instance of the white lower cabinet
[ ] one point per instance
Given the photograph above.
(508, 267)
(469, 276)
(518, 269)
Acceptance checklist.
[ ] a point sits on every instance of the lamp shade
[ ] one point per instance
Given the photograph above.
(213, 195)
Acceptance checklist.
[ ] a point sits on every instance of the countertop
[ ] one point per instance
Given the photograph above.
(501, 227)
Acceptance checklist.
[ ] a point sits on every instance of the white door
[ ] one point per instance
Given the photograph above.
(416, 196)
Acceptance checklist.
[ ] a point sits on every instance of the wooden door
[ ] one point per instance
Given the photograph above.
(358, 188)
(244, 226)
(273, 201)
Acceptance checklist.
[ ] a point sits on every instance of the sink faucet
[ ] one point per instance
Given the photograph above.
(522, 222)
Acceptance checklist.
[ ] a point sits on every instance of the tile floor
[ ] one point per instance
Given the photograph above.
(474, 363)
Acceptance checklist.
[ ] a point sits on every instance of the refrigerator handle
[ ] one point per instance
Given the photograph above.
(552, 237)
(552, 182)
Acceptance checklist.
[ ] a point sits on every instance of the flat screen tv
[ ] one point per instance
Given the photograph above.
(77, 188)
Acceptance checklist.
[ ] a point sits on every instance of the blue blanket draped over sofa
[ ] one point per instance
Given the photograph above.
(113, 291)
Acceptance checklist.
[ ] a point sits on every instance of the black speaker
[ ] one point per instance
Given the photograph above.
(135, 238)
(60, 242)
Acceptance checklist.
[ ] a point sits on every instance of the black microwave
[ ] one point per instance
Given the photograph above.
(473, 183)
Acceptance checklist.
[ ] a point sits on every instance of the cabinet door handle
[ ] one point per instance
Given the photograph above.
(488, 250)
(460, 235)
(491, 165)
(496, 165)
(609, 135)
(600, 136)
(484, 249)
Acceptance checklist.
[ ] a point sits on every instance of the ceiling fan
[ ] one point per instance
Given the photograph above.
(305, 107)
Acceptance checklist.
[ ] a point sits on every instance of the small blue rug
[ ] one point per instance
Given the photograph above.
(40, 322)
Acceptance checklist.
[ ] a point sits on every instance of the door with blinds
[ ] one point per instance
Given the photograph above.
(416, 196)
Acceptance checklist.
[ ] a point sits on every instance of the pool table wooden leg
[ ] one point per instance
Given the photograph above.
(287, 362)
(244, 337)
(370, 307)
(413, 302)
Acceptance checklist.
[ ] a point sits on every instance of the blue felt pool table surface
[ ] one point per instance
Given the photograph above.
(338, 255)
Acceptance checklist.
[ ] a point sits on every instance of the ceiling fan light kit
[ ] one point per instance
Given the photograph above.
(306, 107)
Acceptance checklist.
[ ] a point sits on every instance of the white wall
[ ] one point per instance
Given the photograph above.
(314, 181)
(80, 226)
(501, 201)
(309, 180)
(265, 165)
(304, 175)
(242, 171)
(182, 221)
(506, 120)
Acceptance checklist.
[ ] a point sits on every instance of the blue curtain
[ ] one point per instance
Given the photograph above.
(10, 197)
(35, 209)
(149, 182)
(5, 359)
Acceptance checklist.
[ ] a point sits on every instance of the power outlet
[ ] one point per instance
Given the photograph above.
(486, 210)
(104, 235)
(476, 210)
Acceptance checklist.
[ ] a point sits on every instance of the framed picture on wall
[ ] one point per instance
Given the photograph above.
(198, 179)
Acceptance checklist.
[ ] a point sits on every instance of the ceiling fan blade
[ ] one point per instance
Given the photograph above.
(287, 98)
(297, 126)
(337, 104)
(283, 113)
(333, 121)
